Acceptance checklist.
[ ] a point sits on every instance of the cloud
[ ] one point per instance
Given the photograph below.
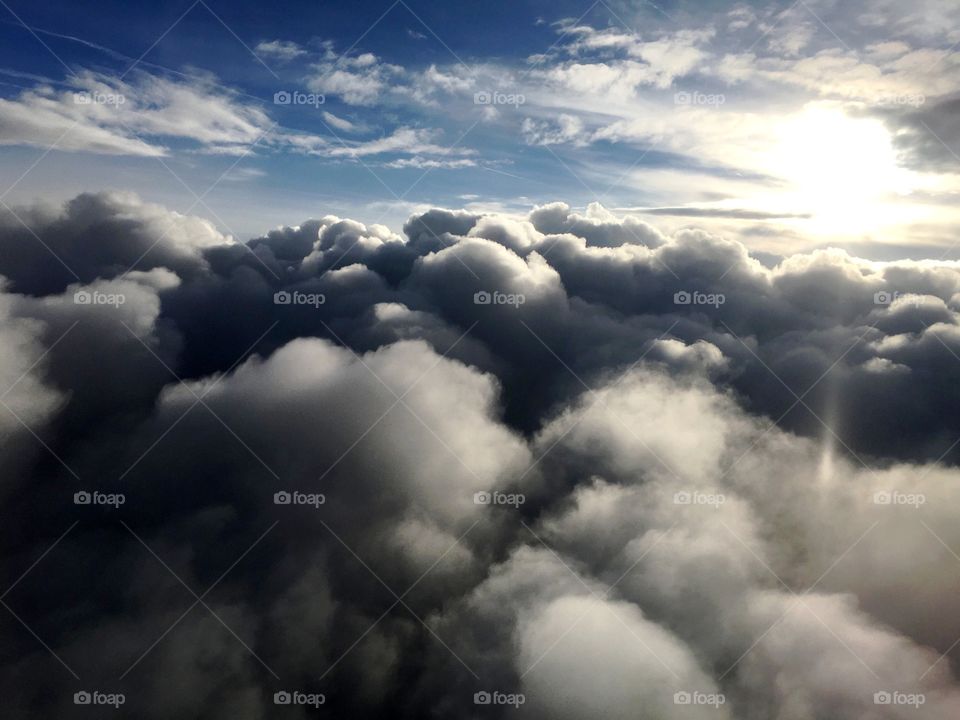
(602, 466)
(282, 50)
(104, 115)
(412, 141)
(658, 62)
(927, 135)
(358, 80)
(718, 212)
(567, 129)
(339, 123)
(148, 114)
(423, 164)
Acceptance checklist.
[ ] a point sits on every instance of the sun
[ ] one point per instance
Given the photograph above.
(841, 170)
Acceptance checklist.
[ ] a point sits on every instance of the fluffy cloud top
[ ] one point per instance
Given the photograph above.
(564, 457)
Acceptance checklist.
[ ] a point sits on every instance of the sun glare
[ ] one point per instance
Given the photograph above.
(841, 170)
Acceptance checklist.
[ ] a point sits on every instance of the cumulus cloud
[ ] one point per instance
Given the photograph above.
(567, 461)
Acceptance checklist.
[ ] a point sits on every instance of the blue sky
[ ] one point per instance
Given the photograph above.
(786, 125)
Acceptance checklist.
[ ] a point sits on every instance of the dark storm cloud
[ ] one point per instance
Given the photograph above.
(613, 387)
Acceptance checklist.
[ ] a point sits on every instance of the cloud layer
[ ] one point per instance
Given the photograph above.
(563, 457)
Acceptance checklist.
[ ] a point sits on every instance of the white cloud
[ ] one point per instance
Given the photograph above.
(144, 114)
(641, 62)
(243, 174)
(449, 82)
(567, 129)
(39, 118)
(282, 50)
(360, 80)
(413, 141)
(338, 122)
(424, 163)
(104, 115)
